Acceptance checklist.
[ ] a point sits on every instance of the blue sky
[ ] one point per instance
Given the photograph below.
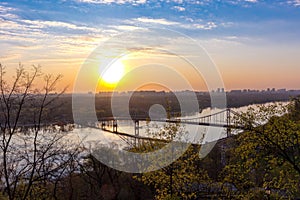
(247, 39)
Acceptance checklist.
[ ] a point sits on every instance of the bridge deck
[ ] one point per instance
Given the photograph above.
(130, 135)
(176, 121)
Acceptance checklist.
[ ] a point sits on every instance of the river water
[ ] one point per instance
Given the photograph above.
(91, 137)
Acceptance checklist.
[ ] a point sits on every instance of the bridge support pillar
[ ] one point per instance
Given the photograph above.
(103, 125)
(228, 121)
(136, 132)
(115, 126)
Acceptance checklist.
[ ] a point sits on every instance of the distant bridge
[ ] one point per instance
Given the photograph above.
(222, 119)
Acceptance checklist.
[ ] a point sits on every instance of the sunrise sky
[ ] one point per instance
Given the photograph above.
(254, 43)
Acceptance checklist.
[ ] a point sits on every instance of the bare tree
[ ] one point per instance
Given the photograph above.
(33, 153)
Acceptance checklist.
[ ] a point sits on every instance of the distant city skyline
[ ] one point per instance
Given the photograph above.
(254, 43)
(218, 90)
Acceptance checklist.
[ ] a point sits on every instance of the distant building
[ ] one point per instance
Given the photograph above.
(220, 90)
(236, 91)
(281, 90)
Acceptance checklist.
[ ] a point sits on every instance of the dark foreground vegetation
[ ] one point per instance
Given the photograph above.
(38, 162)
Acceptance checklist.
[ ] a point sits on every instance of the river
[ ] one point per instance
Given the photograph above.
(91, 137)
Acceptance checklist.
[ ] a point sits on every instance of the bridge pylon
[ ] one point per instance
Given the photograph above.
(115, 126)
(228, 122)
(103, 125)
(136, 132)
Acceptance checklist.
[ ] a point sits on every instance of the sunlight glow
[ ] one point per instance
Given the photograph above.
(114, 73)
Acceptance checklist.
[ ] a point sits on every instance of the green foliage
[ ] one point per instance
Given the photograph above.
(268, 154)
(175, 181)
(295, 109)
(2, 197)
(169, 197)
(177, 178)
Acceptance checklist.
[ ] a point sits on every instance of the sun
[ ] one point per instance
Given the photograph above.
(114, 72)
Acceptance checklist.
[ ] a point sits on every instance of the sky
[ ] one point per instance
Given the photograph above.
(253, 44)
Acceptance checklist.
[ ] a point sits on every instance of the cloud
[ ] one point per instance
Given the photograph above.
(29, 40)
(190, 25)
(161, 21)
(57, 24)
(9, 57)
(6, 9)
(243, 3)
(203, 25)
(135, 2)
(125, 27)
(179, 8)
(207, 26)
(252, 1)
(294, 2)
(5, 12)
